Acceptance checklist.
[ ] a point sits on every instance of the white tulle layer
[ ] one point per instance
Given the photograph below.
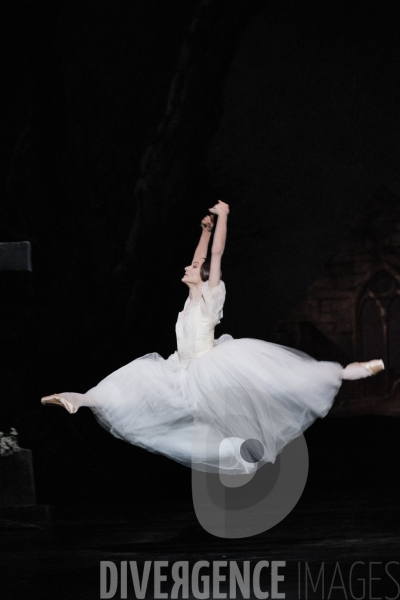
(241, 389)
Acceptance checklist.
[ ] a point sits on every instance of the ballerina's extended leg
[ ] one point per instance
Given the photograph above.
(359, 370)
(71, 401)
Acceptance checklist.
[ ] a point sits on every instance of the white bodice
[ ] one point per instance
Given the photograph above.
(195, 326)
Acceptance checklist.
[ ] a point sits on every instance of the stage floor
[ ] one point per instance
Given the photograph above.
(326, 533)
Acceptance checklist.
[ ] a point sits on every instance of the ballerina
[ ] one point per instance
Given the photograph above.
(200, 404)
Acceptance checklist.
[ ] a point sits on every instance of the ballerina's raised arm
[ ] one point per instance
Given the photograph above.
(222, 210)
(200, 254)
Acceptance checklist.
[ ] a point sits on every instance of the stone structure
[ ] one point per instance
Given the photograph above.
(353, 311)
(17, 486)
(18, 506)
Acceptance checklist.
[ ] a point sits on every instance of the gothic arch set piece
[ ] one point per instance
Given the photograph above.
(378, 327)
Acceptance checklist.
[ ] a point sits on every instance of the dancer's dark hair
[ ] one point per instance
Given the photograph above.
(205, 270)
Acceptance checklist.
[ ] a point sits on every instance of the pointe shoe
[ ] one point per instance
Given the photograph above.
(373, 366)
(57, 399)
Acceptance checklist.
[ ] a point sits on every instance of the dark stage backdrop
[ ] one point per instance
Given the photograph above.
(122, 122)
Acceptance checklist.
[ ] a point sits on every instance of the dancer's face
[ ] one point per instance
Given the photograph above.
(192, 272)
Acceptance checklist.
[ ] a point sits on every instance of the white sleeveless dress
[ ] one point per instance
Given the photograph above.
(205, 400)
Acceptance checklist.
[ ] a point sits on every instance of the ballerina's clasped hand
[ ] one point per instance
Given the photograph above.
(207, 223)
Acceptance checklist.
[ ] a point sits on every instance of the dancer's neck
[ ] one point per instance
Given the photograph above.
(195, 290)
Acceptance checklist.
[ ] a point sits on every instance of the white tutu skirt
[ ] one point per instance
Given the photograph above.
(242, 389)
